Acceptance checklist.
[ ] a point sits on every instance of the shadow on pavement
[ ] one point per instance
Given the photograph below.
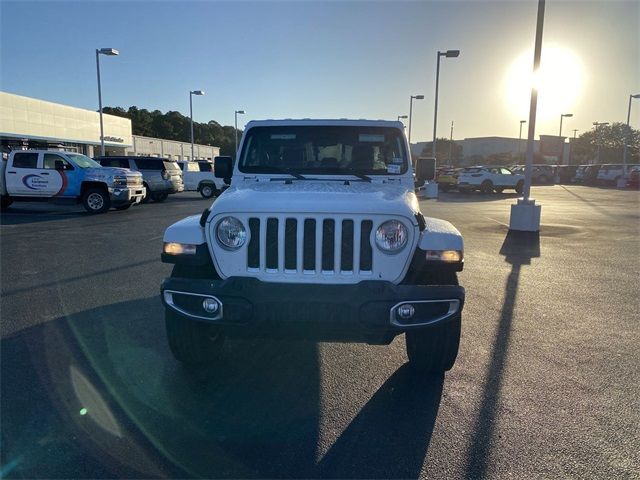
(390, 436)
(518, 248)
(97, 394)
(21, 216)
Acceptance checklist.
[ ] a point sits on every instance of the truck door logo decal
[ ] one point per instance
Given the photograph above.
(64, 184)
(35, 182)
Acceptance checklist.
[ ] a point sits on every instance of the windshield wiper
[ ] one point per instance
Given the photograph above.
(361, 176)
(286, 172)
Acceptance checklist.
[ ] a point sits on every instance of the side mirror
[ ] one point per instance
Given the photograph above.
(223, 167)
(425, 170)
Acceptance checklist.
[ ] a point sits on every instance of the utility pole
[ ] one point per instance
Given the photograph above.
(451, 144)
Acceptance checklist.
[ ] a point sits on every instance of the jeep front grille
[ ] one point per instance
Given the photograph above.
(309, 245)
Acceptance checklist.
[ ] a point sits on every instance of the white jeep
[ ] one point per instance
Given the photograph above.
(320, 236)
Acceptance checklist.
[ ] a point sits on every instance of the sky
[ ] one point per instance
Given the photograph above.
(332, 59)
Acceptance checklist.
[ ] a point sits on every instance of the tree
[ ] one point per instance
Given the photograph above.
(175, 126)
(607, 143)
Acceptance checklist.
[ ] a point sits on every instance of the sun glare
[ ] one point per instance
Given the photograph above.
(560, 82)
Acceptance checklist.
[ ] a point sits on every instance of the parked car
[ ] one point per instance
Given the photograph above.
(161, 177)
(633, 181)
(488, 179)
(566, 173)
(609, 174)
(448, 179)
(67, 178)
(541, 174)
(199, 177)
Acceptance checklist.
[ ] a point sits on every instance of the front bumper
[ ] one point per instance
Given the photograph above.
(365, 312)
(125, 195)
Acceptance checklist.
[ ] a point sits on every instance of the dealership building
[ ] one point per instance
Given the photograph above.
(31, 123)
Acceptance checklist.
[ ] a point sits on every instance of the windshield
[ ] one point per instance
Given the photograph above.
(82, 161)
(324, 150)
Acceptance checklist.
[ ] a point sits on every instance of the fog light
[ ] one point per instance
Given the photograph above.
(210, 305)
(406, 311)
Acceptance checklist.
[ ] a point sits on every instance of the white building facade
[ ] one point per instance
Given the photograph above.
(31, 123)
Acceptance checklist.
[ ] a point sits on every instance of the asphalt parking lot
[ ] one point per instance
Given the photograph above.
(547, 382)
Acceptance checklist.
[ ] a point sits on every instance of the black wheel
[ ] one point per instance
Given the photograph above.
(147, 193)
(5, 202)
(207, 190)
(193, 342)
(159, 197)
(498, 189)
(434, 349)
(520, 187)
(486, 186)
(124, 207)
(96, 200)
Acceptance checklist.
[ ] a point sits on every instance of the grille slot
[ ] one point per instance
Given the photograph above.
(253, 249)
(328, 251)
(346, 252)
(309, 244)
(290, 247)
(272, 244)
(366, 253)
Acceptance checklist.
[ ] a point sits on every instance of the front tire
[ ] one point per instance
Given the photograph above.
(5, 202)
(520, 187)
(487, 186)
(96, 200)
(191, 342)
(434, 349)
(207, 190)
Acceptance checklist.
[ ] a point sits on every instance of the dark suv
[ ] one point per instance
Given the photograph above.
(161, 176)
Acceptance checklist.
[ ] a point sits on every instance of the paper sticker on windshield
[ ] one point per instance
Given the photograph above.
(370, 137)
(393, 168)
(397, 160)
(283, 136)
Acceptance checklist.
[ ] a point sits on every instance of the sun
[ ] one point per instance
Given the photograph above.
(560, 83)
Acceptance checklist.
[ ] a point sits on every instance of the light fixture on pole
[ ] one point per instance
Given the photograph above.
(522, 122)
(627, 136)
(416, 97)
(240, 112)
(191, 94)
(598, 139)
(110, 52)
(448, 54)
(401, 117)
(525, 215)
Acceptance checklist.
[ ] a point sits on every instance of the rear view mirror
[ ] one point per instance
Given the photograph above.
(223, 167)
(425, 170)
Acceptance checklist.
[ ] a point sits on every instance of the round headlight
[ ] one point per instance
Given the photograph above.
(231, 233)
(391, 236)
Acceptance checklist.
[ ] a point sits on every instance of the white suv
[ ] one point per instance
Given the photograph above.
(199, 177)
(320, 236)
(488, 179)
(612, 173)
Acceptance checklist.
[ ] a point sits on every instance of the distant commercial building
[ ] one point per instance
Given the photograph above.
(31, 123)
(476, 149)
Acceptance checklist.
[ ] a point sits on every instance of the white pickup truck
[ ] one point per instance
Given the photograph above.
(320, 236)
(199, 177)
(67, 177)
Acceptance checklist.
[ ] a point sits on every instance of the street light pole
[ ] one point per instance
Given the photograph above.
(241, 112)
(575, 132)
(417, 97)
(562, 115)
(451, 143)
(449, 54)
(191, 94)
(627, 136)
(110, 52)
